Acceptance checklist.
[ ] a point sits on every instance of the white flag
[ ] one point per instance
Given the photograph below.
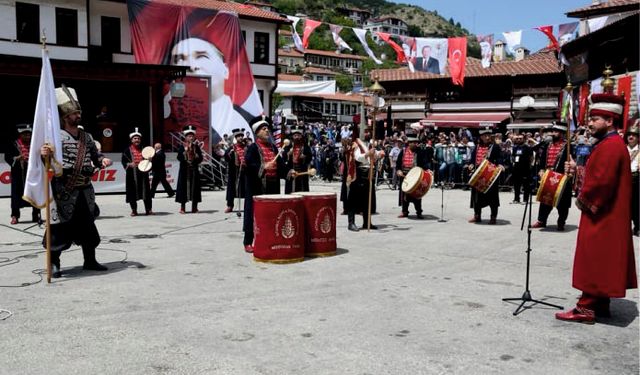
(46, 129)
(513, 38)
(335, 31)
(361, 33)
(296, 38)
(597, 23)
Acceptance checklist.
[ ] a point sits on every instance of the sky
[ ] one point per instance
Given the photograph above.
(496, 16)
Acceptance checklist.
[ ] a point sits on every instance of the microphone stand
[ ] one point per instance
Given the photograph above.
(442, 219)
(526, 296)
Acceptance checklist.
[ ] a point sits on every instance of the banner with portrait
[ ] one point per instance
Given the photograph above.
(431, 55)
(210, 43)
(486, 49)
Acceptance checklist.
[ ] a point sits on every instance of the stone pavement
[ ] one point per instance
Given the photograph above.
(415, 297)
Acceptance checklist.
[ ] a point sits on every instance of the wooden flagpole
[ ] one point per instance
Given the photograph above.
(376, 89)
(569, 89)
(47, 232)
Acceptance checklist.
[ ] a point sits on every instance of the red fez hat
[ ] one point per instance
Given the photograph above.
(606, 105)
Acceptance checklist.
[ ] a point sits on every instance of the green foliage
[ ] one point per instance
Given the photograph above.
(415, 31)
(289, 7)
(276, 100)
(344, 82)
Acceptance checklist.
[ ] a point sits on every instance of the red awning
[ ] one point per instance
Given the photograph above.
(465, 120)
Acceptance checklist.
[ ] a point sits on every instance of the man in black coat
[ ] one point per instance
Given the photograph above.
(137, 181)
(264, 171)
(236, 167)
(159, 170)
(521, 155)
(17, 156)
(298, 160)
(190, 157)
(410, 156)
(485, 149)
(553, 157)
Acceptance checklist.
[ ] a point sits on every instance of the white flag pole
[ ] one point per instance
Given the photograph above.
(47, 197)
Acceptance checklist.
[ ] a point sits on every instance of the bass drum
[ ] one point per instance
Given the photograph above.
(417, 182)
(551, 187)
(485, 176)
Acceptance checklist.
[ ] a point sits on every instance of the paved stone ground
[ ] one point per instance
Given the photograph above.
(415, 297)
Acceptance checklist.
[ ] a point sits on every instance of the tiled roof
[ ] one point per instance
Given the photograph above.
(291, 53)
(611, 6)
(333, 54)
(538, 63)
(289, 77)
(244, 11)
(315, 70)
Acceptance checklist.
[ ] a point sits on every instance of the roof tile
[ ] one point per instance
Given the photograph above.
(242, 10)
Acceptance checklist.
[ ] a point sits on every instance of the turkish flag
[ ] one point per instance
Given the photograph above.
(309, 26)
(624, 89)
(548, 31)
(457, 59)
(400, 57)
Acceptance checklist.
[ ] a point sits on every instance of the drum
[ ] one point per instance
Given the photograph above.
(417, 182)
(485, 176)
(551, 187)
(148, 152)
(278, 226)
(144, 165)
(320, 223)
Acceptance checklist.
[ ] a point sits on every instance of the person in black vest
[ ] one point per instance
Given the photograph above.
(17, 157)
(190, 157)
(159, 170)
(236, 167)
(553, 157)
(137, 182)
(265, 168)
(298, 159)
(521, 155)
(410, 156)
(485, 149)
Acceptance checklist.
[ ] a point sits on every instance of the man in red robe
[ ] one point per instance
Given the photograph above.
(604, 264)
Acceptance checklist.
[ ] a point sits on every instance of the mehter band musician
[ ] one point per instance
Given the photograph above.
(486, 150)
(553, 158)
(137, 181)
(409, 157)
(604, 265)
(298, 160)
(236, 168)
(265, 168)
(73, 214)
(190, 157)
(17, 157)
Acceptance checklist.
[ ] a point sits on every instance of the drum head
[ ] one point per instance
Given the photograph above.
(314, 194)
(411, 179)
(144, 166)
(268, 197)
(148, 152)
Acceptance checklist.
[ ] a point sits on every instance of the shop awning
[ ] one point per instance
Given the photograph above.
(533, 125)
(465, 119)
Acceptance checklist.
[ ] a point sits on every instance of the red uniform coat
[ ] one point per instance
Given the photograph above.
(604, 263)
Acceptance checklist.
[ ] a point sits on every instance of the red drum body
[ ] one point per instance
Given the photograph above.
(320, 223)
(278, 226)
(417, 182)
(551, 187)
(485, 176)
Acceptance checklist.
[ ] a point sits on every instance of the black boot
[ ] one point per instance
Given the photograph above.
(352, 223)
(90, 262)
(364, 224)
(55, 265)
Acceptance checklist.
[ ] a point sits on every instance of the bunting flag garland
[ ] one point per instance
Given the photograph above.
(309, 26)
(583, 105)
(597, 23)
(486, 49)
(567, 32)
(296, 37)
(409, 48)
(566, 113)
(457, 59)
(335, 32)
(361, 34)
(548, 31)
(400, 57)
(512, 38)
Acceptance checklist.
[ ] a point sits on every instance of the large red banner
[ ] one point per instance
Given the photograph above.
(210, 43)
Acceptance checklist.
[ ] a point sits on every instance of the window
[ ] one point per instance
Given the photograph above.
(261, 95)
(319, 78)
(110, 33)
(334, 108)
(28, 22)
(341, 108)
(67, 27)
(327, 107)
(261, 48)
(244, 36)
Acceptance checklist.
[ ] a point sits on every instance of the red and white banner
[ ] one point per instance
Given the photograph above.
(457, 59)
(548, 31)
(210, 43)
(400, 56)
(309, 26)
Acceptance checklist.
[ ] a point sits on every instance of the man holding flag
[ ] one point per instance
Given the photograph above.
(75, 154)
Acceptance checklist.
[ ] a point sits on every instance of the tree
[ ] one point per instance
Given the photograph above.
(276, 100)
(344, 82)
(415, 31)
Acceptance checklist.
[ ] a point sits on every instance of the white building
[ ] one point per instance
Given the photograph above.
(390, 25)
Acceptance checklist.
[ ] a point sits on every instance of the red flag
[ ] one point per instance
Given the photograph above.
(457, 59)
(584, 104)
(400, 56)
(309, 26)
(548, 31)
(624, 89)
